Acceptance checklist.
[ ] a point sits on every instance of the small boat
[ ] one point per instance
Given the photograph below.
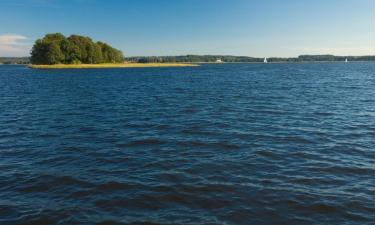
(346, 60)
(265, 60)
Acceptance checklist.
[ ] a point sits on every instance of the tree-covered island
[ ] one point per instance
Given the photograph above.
(75, 49)
(57, 51)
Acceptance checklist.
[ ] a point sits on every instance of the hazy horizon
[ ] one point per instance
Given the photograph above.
(222, 27)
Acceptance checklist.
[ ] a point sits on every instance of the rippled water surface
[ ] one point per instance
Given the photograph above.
(216, 144)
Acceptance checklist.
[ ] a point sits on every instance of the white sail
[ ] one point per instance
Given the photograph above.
(265, 60)
(346, 60)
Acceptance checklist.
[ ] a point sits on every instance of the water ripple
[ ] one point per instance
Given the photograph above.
(216, 144)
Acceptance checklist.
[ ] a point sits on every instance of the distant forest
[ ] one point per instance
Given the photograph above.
(208, 59)
(246, 59)
(56, 49)
(14, 60)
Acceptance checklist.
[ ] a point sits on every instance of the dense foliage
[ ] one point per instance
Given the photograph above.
(56, 49)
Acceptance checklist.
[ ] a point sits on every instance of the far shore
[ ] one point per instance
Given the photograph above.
(110, 65)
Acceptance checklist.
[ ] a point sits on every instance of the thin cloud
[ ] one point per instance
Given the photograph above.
(14, 45)
(11, 39)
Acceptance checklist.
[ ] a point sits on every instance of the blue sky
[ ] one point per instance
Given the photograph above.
(176, 27)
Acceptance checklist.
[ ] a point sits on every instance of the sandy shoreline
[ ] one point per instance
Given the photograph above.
(110, 65)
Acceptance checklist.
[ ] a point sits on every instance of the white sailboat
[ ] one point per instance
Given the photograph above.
(346, 60)
(265, 60)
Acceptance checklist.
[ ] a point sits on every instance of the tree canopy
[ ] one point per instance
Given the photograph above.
(56, 48)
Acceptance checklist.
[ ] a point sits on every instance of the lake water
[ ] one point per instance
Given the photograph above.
(216, 144)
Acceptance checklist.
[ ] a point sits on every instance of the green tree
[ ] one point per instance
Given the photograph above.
(71, 52)
(54, 54)
(38, 53)
(55, 48)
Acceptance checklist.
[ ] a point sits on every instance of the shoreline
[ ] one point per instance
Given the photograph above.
(149, 65)
(111, 65)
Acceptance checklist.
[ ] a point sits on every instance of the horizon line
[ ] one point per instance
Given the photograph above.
(178, 55)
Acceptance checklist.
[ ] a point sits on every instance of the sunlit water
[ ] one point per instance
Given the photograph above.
(216, 144)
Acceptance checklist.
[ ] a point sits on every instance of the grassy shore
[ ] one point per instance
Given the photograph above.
(110, 65)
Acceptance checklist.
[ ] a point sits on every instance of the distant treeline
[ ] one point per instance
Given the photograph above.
(56, 49)
(14, 60)
(245, 59)
(198, 59)
(192, 58)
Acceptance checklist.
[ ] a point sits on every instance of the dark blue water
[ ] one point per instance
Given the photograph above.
(216, 144)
